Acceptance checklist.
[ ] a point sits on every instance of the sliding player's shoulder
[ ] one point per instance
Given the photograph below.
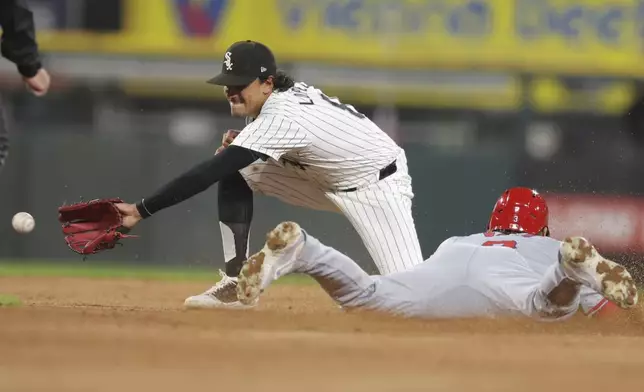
(449, 241)
(538, 240)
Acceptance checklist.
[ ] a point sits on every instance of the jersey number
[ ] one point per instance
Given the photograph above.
(342, 106)
(505, 244)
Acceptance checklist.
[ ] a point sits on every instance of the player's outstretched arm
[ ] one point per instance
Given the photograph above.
(191, 183)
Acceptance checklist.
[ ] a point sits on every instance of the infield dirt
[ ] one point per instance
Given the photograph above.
(79, 334)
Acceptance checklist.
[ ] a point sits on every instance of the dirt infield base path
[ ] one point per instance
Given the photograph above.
(130, 335)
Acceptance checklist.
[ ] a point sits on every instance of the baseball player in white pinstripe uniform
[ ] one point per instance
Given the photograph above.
(306, 149)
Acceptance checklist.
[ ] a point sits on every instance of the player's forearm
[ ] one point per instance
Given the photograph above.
(197, 180)
(19, 36)
(556, 296)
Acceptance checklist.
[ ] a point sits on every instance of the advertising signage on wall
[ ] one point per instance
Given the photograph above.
(574, 36)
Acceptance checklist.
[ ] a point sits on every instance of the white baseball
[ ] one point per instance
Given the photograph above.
(23, 222)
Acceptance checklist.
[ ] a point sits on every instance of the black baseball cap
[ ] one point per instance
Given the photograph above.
(244, 62)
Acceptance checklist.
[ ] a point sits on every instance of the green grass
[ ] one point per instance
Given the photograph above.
(87, 269)
(7, 300)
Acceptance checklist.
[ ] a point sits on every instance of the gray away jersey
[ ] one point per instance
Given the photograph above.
(320, 138)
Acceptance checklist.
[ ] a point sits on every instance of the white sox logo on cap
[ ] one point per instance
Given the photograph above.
(228, 61)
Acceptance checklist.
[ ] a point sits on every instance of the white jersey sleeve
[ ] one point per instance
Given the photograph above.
(541, 253)
(273, 135)
(517, 272)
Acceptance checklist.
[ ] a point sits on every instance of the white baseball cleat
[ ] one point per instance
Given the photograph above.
(223, 295)
(582, 263)
(275, 260)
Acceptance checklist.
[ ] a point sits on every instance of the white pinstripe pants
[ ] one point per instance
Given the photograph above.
(380, 213)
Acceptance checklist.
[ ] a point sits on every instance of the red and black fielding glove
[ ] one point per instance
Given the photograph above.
(93, 226)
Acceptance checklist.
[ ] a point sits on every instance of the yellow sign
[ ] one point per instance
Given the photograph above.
(563, 36)
(576, 36)
(551, 95)
(177, 28)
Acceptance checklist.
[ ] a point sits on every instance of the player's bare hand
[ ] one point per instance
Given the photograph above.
(131, 215)
(227, 139)
(39, 83)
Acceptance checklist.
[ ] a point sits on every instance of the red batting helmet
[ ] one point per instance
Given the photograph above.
(521, 210)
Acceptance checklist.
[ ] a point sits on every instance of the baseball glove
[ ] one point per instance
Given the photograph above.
(92, 226)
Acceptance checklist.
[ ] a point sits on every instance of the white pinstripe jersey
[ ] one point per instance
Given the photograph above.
(320, 138)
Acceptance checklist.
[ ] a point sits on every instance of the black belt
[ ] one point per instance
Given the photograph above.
(384, 173)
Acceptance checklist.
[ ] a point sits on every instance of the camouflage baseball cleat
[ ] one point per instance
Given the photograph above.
(275, 260)
(582, 263)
